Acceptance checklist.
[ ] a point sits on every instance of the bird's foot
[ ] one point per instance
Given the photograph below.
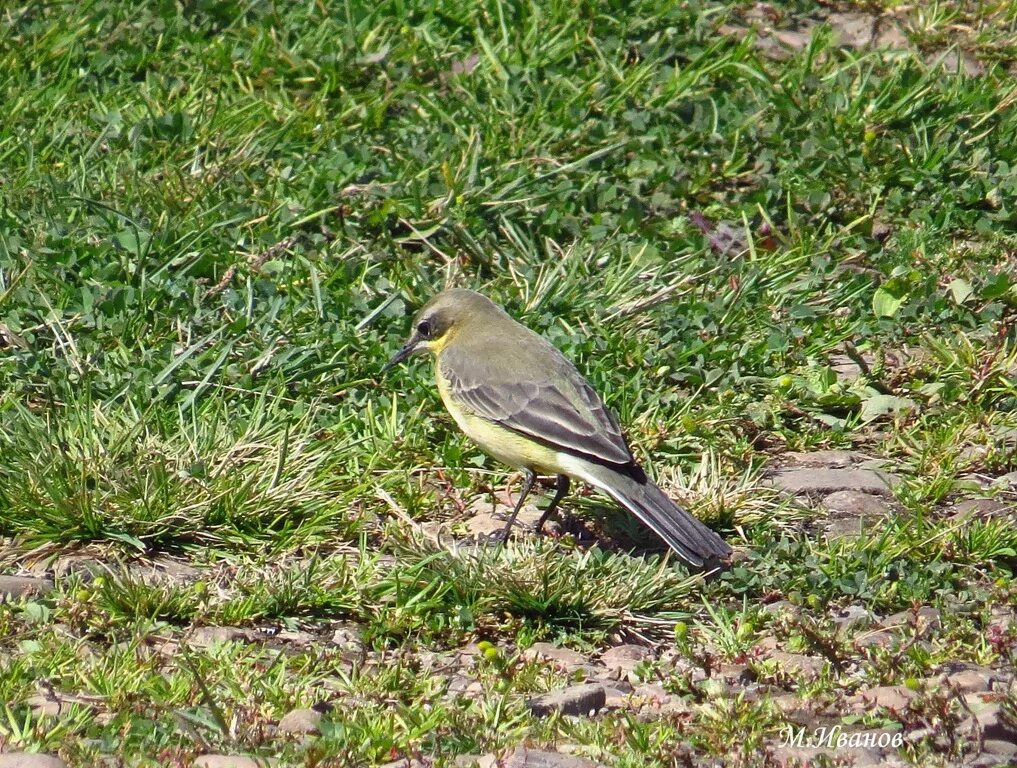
(494, 538)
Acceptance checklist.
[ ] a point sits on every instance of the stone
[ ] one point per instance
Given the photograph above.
(1009, 480)
(845, 528)
(16, 587)
(523, 757)
(852, 30)
(789, 703)
(651, 692)
(625, 657)
(1002, 747)
(301, 721)
(202, 637)
(294, 637)
(45, 706)
(890, 35)
(564, 656)
(653, 697)
(878, 639)
(574, 700)
(831, 458)
(82, 567)
(809, 667)
(618, 688)
(895, 697)
(780, 607)
(980, 509)
(793, 756)
(457, 684)
(795, 39)
(925, 620)
(853, 616)
(589, 672)
(954, 61)
(614, 700)
(347, 637)
(165, 570)
(406, 762)
(489, 519)
(30, 760)
(971, 679)
(476, 761)
(989, 717)
(845, 369)
(822, 480)
(855, 503)
(232, 761)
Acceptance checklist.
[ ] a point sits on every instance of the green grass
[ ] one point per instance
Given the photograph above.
(216, 220)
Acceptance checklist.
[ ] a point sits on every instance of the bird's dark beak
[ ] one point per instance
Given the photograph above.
(407, 349)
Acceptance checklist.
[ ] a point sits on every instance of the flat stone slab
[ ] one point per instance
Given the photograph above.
(575, 700)
(818, 480)
(832, 458)
(625, 657)
(232, 761)
(525, 757)
(855, 504)
(895, 697)
(15, 587)
(30, 760)
(557, 654)
(300, 721)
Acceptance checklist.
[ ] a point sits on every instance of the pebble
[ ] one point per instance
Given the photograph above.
(574, 700)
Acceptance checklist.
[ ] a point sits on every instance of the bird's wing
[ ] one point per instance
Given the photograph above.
(558, 409)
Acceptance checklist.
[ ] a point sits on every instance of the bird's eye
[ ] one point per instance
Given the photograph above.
(424, 328)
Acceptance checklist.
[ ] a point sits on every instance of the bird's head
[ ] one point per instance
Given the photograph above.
(441, 319)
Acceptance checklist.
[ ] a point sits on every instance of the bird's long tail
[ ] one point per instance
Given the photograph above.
(688, 537)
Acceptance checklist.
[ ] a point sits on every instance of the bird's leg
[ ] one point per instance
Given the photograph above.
(560, 489)
(528, 478)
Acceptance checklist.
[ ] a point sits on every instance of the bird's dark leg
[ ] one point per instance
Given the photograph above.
(560, 489)
(528, 480)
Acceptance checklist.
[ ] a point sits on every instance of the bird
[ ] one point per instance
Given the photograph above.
(525, 404)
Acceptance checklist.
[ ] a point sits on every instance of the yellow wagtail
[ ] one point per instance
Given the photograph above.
(526, 405)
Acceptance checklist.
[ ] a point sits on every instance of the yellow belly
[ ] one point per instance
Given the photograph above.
(506, 446)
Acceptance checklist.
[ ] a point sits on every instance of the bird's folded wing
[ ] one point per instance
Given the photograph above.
(563, 413)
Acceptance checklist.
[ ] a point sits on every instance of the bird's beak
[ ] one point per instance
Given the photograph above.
(407, 349)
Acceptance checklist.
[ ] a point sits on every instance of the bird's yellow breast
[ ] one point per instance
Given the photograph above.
(506, 446)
